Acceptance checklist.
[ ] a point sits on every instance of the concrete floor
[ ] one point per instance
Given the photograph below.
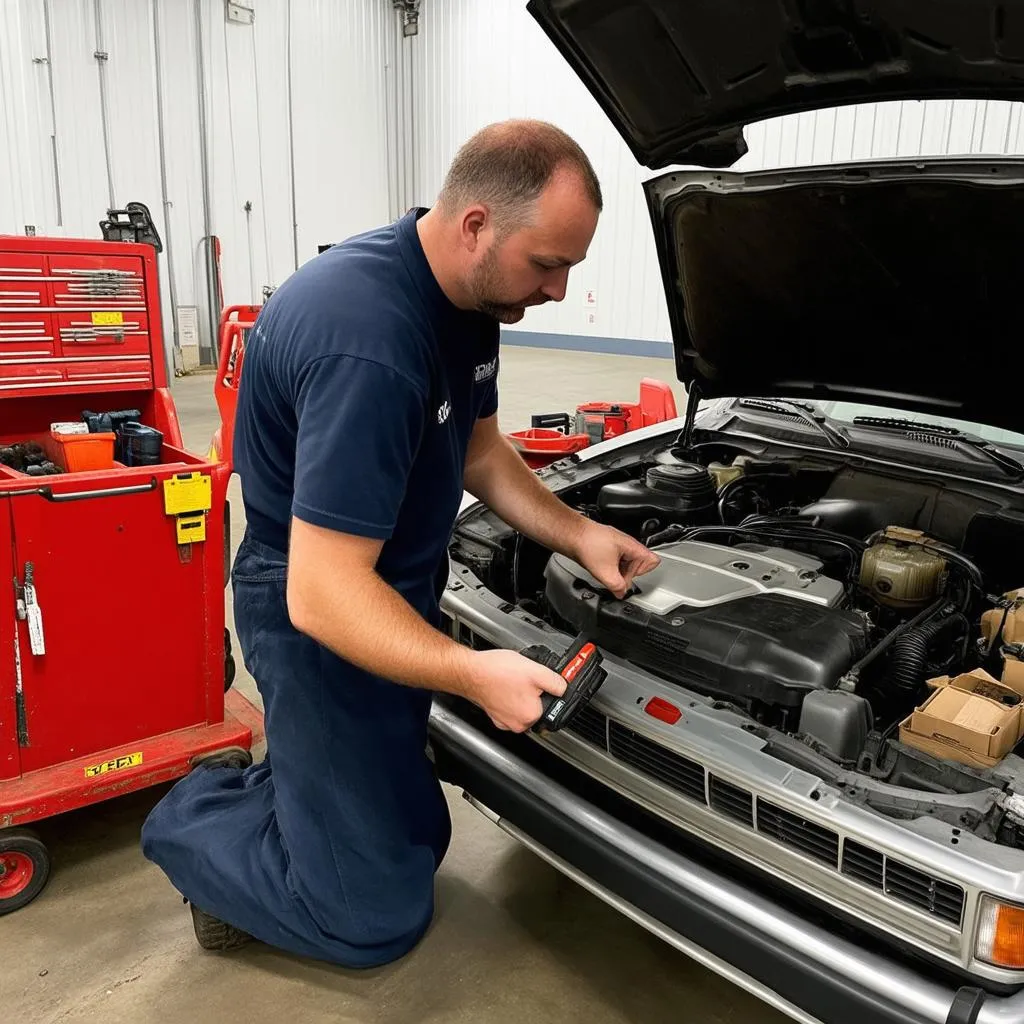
(109, 940)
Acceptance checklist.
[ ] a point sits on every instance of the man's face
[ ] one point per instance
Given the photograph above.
(530, 265)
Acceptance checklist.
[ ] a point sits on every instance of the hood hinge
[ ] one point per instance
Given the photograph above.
(692, 402)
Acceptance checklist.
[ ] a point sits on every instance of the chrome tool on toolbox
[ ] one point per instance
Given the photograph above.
(580, 667)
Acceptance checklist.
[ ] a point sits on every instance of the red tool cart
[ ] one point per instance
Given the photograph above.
(114, 666)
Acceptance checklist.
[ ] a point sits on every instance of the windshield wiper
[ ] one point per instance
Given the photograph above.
(902, 423)
(955, 437)
(803, 411)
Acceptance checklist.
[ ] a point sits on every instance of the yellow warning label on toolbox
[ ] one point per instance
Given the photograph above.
(191, 529)
(188, 492)
(118, 764)
(107, 318)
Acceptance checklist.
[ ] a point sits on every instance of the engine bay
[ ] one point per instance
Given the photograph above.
(757, 625)
(819, 601)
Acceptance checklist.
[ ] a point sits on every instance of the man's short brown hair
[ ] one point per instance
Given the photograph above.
(507, 165)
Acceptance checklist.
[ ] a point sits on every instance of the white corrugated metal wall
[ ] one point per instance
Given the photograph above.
(480, 62)
(338, 143)
(368, 124)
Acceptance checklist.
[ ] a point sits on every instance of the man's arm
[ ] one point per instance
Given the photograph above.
(497, 475)
(347, 500)
(336, 597)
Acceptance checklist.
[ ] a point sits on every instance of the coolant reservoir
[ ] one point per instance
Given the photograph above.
(903, 569)
(1008, 622)
(723, 474)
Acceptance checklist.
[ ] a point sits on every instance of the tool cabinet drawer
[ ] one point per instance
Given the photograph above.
(97, 282)
(23, 281)
(26, 334)
(30, 374)
(127, 370)
(103, 333)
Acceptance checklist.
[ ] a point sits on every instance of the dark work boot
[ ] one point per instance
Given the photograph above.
(214, 934)
(230, 757)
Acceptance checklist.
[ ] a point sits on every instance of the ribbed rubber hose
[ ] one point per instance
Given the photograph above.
(910, 651)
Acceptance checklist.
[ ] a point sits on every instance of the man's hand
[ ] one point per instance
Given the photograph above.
(498, 476)
(612, 557)
(508, 687)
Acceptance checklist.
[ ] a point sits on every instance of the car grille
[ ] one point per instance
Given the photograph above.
(591, 726)
(732, 801)
(864, 864)
(815, 840)
(943, 899)
(899, 881)
(679, 773)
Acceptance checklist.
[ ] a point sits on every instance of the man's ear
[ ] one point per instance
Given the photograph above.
(474, 221)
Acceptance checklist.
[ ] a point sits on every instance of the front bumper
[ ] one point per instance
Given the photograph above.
(762, 945)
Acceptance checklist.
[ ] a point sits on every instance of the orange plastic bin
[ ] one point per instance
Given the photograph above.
(79, 453)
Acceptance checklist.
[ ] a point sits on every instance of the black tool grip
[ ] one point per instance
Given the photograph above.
(580, 667)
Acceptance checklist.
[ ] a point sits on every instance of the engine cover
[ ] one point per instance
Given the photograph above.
(698, 574)
(745, 623)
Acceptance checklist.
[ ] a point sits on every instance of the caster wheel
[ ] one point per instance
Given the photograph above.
(229, 662)
(230, 757)
(24, 868)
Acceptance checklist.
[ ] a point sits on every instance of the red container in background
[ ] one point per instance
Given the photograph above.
(540, 446)
(602, 420)
(235, 324)
(555, 435)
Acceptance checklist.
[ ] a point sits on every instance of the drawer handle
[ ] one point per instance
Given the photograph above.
(104, 492)
(84, 338)
(94, 272)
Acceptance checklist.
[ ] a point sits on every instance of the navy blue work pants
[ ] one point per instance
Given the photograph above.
(327, 848)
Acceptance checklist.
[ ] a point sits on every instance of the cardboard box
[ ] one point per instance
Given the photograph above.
(972, 718)
(1013, 674)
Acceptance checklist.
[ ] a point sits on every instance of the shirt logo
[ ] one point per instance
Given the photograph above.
(444, 411)
(485, 370)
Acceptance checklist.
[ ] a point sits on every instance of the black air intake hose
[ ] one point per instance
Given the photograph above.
(910, 651)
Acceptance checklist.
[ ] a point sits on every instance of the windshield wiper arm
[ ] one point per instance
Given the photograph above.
(785, 407)
(1000, 458)
(902, 423)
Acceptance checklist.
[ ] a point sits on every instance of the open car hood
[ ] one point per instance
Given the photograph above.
(680, 78)
(891, 284)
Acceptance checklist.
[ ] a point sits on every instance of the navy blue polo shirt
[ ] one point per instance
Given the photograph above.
(359, 391)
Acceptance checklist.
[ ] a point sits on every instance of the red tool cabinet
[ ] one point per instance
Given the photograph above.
(127, 565)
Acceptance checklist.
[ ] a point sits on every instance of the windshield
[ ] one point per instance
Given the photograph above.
(844, 412)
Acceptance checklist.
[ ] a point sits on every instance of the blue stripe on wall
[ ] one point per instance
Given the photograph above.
(587, 343)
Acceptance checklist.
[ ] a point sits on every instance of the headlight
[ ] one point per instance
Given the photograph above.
(1000, 934)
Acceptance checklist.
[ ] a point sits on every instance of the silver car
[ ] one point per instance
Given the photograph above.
(771, 776)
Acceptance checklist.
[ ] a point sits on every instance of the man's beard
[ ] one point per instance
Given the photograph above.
(485, 286)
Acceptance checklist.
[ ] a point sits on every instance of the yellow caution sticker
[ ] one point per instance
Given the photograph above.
(188, 493)
(191, 529)
(107, 318)
(116, 765)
